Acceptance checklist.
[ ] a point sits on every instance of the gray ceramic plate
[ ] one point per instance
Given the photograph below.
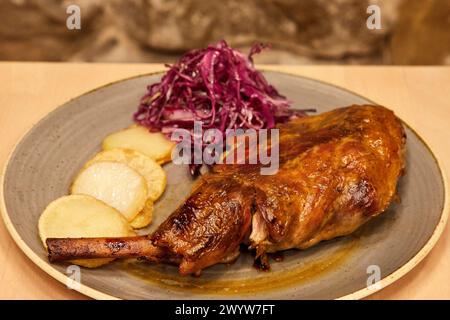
(45, 161)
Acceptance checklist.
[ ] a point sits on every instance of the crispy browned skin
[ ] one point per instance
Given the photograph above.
(63, 249)
(209, 226)
(337, 170)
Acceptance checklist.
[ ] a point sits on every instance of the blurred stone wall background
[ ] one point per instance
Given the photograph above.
(300, 31)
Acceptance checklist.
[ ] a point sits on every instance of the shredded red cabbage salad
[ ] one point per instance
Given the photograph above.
(217, 85)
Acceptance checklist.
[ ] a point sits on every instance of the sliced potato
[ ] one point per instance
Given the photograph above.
(152, 172)
(82, 216)
(92, 263)
(114, 183)
(153, 144)
(144, 218)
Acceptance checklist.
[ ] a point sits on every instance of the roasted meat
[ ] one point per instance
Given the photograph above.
(336, 171)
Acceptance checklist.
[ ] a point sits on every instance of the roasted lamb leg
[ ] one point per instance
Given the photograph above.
(336, 171)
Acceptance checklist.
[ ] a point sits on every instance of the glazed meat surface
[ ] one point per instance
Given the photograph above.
(336, 171)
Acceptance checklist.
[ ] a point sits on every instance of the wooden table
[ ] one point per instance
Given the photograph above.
(419, 95)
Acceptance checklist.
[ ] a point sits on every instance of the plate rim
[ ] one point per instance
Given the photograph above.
(96, 294)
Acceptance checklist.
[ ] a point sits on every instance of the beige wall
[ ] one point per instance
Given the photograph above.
(301, 31)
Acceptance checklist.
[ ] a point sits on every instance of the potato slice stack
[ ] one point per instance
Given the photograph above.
(114, 192)
(82, 216)
(152, 144)
(126, 180)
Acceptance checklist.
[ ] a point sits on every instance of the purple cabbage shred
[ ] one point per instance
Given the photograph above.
(217, 85)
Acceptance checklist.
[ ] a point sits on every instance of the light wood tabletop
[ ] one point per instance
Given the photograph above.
(419, 95)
